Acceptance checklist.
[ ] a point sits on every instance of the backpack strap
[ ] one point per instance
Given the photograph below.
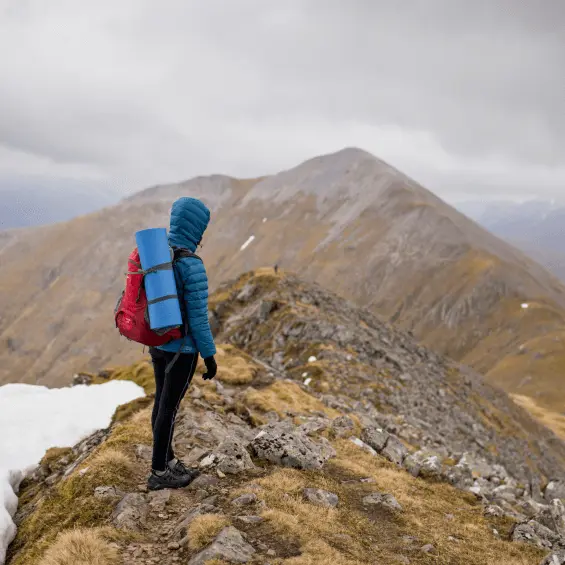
(182, 253)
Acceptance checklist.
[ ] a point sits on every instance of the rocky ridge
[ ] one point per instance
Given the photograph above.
(331, 439)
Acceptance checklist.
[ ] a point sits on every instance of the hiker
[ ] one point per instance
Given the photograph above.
(174, 371)
(276, 269)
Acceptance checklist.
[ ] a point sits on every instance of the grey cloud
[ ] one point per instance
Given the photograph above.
(152, 91)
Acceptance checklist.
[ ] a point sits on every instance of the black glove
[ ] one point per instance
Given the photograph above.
(211, 368)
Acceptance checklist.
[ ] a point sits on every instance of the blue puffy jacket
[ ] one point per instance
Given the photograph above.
(189, 220)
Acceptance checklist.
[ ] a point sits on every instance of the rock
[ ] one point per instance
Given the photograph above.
(431, 467)
(320, 497)
(181, 527)
(204, 481)
(554, 489)
(460, 476)
(535, 533)
(143, 452)
(265, 308)
(375, 437)
(245, 499)
(428, 548)
(108, 492)
(228, 546)
(383, 500)
(246, 293)
(494, 511)
(82, 379)
(394, 450)
(314, 426)
(556, 558)
(232, 457)
(553, 517)
(250, 519)
(131, 512)
(363, 445)
(173, 546)
(342, 427)
(412, 464)
(158, 500)
(291, 448)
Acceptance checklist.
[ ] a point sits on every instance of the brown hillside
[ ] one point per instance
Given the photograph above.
(347, 220)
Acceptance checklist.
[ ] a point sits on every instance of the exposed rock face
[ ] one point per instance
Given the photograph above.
(277, 444)
(423, 399)
(131, 512)
(228, 546)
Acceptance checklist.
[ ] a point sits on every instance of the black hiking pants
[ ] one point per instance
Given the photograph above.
(169, 391)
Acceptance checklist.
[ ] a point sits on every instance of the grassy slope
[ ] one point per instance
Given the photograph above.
(302, 534)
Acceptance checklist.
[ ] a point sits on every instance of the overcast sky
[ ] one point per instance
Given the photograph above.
(466, 96)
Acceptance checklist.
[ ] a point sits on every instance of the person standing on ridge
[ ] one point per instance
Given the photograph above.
(175, 362)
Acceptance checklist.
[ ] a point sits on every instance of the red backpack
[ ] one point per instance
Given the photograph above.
(131, 312)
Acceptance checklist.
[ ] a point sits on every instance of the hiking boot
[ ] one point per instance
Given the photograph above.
(169, 479)
(180, 468)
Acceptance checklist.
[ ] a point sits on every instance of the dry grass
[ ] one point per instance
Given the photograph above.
(203, 529)
(71, 503)
(353, 535)
(318, 552)
(140, 373)
(80, 547)
(234, 367)
(137, 429)
(285, 397)
(53, 455)
(552, 420)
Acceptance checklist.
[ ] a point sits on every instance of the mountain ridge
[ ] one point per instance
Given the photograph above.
(400, 251)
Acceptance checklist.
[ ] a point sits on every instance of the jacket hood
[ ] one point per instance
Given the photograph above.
(189, 220)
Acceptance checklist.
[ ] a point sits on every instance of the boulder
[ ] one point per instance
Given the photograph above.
(321, 497)
(554, 489)
(460, 476)
(245, 499)
(395, 450)
(233, 457)
(275, 443)
(383, 501)
(375, 437)
(342, 427)
(553, 517)
(535, 533)
(229, 546)
(108, 492)
(158, 500)
(131, 512)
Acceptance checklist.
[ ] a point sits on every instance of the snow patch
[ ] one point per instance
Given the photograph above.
(307, 381)
(312, 359)
(525, 305)
(35, 418)
(246, 244)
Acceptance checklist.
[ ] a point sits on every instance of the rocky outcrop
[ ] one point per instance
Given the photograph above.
(282, 445)
(228, 546)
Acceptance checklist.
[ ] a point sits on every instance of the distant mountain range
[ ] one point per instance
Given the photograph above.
(25, 206)
(537, 227)
(347, 220)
